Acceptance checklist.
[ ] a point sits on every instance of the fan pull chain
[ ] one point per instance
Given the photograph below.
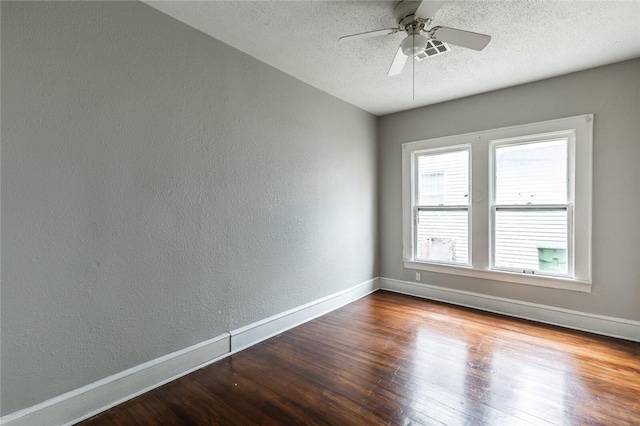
(413, 67)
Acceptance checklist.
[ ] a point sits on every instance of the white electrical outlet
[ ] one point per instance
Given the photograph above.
(418, 275)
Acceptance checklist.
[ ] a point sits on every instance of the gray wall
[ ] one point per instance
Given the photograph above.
(160, 188)
(613, 94)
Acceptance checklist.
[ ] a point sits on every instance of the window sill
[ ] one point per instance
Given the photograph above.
(510, 277)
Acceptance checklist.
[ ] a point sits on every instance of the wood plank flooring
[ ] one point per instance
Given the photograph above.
(398, 360)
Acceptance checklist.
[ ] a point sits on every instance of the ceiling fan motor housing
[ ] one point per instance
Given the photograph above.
(405, 14)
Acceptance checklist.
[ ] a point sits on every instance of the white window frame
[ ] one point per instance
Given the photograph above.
(481, 202)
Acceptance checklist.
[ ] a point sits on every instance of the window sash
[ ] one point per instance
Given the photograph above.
(416, 217)
(566, 136)
(417, 207)
(567, 208)
(417, 176)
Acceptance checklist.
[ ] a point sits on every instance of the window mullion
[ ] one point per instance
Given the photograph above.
(428, 208)
(531, 206)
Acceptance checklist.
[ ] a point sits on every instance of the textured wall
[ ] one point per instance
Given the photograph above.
(160, 188)
(613, 94)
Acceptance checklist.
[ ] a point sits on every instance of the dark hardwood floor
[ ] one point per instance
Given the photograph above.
(393, 359)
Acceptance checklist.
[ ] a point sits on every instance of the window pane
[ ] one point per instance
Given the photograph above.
(443, 236)
(533, 173)
(532, 240)
(443, 179)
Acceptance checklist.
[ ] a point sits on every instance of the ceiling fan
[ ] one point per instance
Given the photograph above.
(413, 17)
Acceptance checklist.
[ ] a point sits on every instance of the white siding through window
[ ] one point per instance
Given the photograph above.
(447, 225)
(519, 235)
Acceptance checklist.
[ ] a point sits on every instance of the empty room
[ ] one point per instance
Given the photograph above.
(320, 212)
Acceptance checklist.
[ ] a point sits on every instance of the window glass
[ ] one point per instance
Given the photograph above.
(444, 178)
(531, 196)
(443, 236)
(532, 173)
(531, 240)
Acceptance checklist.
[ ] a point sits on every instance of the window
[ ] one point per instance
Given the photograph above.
(531, 205)
(442, 210)
(530, 221)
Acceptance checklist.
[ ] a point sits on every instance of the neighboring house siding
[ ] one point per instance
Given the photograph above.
(519, 234)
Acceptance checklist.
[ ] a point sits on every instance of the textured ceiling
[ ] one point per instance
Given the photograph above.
(532, 40)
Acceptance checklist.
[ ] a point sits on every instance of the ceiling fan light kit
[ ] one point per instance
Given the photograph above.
(413, 17)
(414, 44)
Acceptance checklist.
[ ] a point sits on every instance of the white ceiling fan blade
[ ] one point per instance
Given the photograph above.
(398, 63)
(468, 39)
(428, 8)
(367, 34)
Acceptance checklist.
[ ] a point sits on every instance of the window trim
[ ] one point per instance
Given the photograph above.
(479, 203)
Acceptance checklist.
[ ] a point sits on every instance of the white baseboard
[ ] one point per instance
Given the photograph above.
(258, 331)
(599, 324)
(86, 401)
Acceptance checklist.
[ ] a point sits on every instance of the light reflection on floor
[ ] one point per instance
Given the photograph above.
(497, 385)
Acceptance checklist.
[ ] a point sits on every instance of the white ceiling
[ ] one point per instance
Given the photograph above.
(531, 40)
